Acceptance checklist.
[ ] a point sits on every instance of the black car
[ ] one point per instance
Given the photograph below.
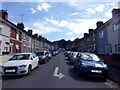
(43, 56)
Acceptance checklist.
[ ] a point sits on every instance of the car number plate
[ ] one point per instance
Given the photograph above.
(96, 71)
(10, 70)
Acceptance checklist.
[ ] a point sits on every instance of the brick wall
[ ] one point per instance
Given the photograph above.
(111, 60)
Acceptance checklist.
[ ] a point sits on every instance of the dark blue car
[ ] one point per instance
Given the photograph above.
(90, 64)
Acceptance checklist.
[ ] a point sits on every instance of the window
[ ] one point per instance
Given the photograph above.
(93, 37)
(17, 36)
(110, 48)
(6, 49)
(115, 48)
(116, 27)
(11, 47)
(119, 48)
(101, 34)
(20, 57)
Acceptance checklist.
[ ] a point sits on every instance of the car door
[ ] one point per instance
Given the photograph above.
(35, 59)
(77, 60)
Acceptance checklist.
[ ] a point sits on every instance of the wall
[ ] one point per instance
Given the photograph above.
(101, 43)
(5, 41)
(113, 36)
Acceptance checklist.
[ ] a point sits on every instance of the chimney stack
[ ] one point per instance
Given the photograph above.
(36, 35)
(30, 32)
(90, 30)
(99, 24)
(85, 34)
(4, 14)
(20, 26)
(115, 11)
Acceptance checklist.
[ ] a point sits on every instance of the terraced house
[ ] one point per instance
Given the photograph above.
(14, 39)
(105, 39)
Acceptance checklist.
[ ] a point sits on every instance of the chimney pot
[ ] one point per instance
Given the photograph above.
(115, 11)
(4, 14)
(99, 24)
(20, 26)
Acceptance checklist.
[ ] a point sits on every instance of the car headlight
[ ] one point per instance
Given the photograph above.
(22, 66)
(105, 66)
(83, 65)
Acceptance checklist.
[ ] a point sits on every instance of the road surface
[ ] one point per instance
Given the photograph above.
(57, 73)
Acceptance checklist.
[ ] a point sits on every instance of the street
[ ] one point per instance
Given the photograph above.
(48, 76)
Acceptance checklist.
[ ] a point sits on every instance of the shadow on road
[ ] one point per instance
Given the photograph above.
(74, 75)
(13, 77)
(68, 63)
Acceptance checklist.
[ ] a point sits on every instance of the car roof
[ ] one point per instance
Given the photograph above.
(23, 53)
(86, 53)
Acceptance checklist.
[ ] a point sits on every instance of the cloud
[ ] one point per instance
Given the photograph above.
(108, 13)
(100, 8)
(80, 27)
(92, 11)
(70, 33)
(33, 11)
(110, 4)
(39, 8)
(75, 14)
(42, 28)
(44, 6)
(61, 23)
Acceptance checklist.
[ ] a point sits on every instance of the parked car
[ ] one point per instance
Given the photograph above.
(91, 65)
(67, 53)
(21, 63)
(73, 57)
(43, 56)
(49, 55)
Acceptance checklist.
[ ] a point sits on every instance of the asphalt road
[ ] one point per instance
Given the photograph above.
(43, 77)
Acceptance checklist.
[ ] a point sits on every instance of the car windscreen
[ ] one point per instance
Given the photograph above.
(90, 57)
(39, 53)
(20, 57)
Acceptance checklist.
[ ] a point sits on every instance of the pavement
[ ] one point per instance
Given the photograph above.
(3, 59)
(114, 74)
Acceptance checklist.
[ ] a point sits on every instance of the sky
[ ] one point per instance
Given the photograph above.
(59, 20)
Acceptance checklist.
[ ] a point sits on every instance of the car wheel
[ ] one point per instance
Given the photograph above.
(74, 67)
(29, 70)
(44, 61)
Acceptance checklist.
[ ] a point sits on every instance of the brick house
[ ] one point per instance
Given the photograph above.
(13, 34)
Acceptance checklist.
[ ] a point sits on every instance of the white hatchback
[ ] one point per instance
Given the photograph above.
(21, 63)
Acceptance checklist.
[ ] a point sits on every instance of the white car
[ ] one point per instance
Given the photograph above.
(21, 63)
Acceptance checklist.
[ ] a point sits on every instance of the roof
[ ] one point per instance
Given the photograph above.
(23, 53)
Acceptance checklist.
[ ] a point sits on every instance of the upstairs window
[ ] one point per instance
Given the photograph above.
(17, 36)
(101, 34)
(116, 27)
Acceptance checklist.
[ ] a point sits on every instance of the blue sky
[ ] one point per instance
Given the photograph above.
(59, 20)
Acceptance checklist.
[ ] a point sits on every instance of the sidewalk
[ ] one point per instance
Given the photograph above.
(3, 59)
(114, 74)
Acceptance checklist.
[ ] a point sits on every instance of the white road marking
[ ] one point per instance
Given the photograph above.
(56, 74)
(111, 84)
